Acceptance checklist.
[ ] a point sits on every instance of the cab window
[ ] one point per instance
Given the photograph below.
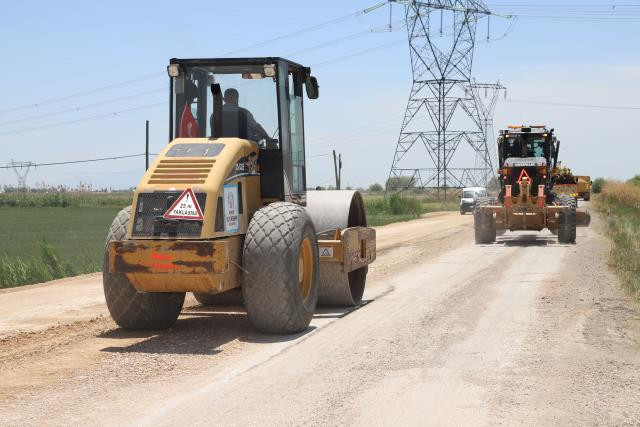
(297, 132)
(248, 99)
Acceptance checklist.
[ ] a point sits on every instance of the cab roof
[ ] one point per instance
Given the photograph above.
(236, 61)
(526, 129)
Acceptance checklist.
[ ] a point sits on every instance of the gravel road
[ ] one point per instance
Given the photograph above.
(523, 331)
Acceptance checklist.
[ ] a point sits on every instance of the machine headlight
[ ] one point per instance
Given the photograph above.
(173, 70)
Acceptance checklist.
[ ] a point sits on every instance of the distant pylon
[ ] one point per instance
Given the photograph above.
(441, 43)
(21, 170)
(485, 98)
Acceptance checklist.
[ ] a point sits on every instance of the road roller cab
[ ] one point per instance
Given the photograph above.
(224, 206)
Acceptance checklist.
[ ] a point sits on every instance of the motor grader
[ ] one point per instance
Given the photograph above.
(527, 156)
(224, 206)
(565, 182)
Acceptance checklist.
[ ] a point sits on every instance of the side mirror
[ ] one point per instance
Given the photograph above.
(311, 85)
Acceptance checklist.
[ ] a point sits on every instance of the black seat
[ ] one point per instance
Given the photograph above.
(234, 123)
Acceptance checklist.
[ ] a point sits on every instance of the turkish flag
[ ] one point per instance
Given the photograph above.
(188, 124)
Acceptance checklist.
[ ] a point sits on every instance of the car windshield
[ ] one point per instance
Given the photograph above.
(525, 146)
(247, 95)
(467, 194)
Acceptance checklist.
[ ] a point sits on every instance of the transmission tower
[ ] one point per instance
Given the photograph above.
(21, 170)
(485, 98)
(442, 111)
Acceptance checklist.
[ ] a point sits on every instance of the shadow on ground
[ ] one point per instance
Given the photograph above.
(202, 330)
(526, 240)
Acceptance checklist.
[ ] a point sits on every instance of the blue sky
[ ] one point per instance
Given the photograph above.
(565, 54)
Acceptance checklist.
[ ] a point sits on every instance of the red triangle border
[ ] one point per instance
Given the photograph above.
(196, 204)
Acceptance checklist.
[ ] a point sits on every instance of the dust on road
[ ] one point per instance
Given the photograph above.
(524, 330)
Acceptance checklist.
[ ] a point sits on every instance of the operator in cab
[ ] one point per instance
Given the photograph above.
(238, 122)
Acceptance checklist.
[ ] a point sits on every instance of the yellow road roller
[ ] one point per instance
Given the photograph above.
(225, 207)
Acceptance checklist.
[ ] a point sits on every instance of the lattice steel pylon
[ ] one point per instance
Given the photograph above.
(485, 98)
(441, 67)
(21, 170)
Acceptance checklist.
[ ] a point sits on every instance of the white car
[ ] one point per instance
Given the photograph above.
(469, 197)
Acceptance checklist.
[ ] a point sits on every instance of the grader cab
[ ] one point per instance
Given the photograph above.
(224, 206)
(527, 156)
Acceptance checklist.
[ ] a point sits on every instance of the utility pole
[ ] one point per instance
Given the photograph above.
(337, 168)
(146, 151)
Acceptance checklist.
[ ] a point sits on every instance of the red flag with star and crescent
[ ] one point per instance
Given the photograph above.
(188, 124)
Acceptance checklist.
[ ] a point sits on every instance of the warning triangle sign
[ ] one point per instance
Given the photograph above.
(326, 251)
(186, 207)
(522, 175)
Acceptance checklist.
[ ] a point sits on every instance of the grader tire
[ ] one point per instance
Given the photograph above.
(231, 297)
(128, 308)
(483, 223)
(281, 267)
(567, 226)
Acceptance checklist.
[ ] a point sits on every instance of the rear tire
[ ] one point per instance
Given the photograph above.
(129, 308)
(281, 269)
(567, 220)
(483, 222)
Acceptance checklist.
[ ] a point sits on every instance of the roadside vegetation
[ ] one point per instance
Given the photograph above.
(46, 236)
(397, 208)
(620, 202)
(64, 200)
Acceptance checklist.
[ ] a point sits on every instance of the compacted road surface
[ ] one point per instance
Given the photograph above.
(525, 330)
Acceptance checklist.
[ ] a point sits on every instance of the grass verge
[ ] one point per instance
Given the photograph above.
(65, 200)
(50, 236)
(620, 202)
(47, 265)
(396, 208)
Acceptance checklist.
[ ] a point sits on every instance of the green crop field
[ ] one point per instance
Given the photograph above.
(76, 233)
(49, 236)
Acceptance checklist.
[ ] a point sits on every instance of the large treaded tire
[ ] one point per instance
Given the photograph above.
(271, 254)
(483, 224)
(567, 221)
(128, 308)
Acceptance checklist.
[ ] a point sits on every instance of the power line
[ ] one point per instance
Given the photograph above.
(564, 104)
(99, 116)
(77, 94)
(79, 161)
(135, 95)
(358, 53)
(343, 39)
(126, 82)
(310, 29)
(82, 107)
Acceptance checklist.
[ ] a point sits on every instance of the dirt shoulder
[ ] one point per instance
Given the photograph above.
(50, 332)
(525, 331)
(581, 362)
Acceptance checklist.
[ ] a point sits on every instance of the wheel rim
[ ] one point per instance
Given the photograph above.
(305, 269)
